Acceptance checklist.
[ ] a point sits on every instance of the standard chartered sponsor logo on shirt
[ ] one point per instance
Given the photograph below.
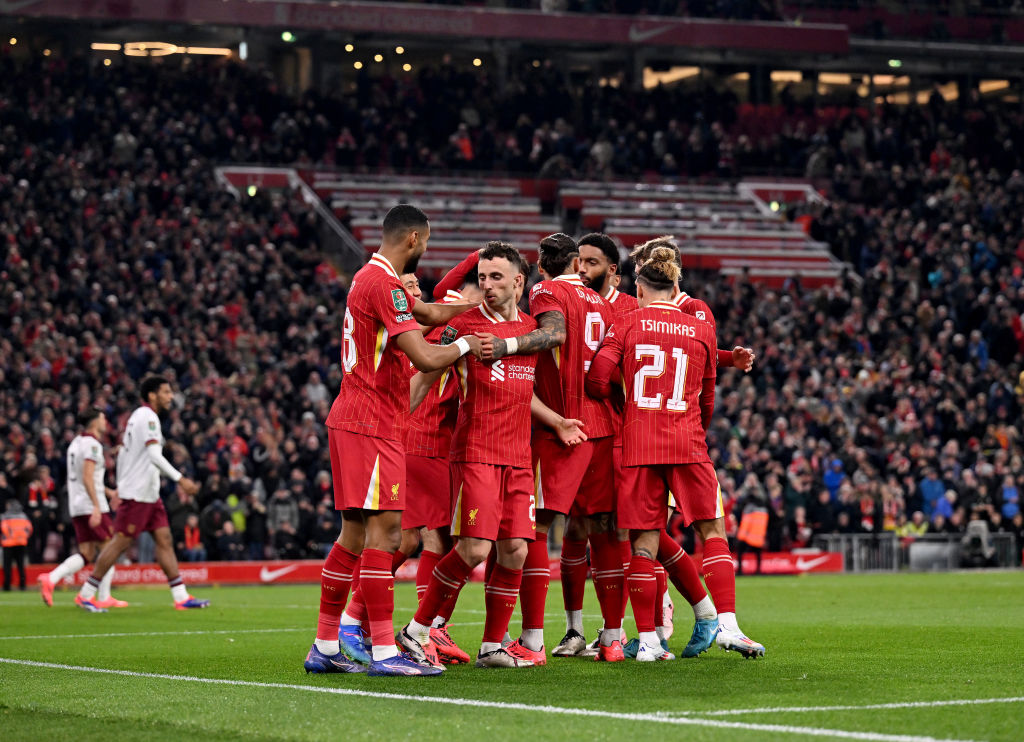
(512, 372)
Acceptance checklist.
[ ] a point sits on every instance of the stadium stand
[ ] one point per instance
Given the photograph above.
(109, 209)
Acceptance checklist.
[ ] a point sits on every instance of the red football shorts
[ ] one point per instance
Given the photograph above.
(561, 474)
(84, 533)
(134, 517)
(428, 493)
(643, 501)
(492, 502)
(368, 472)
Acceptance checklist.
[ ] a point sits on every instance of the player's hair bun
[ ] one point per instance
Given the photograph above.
(662, 263)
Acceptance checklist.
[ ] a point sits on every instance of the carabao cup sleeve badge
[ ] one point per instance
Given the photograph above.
(398, 297)
(449, 335)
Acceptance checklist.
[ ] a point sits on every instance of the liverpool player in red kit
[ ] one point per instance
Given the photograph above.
(367, 456)
(668, 364)
(573, 320)
(492, 485)
(719, 571)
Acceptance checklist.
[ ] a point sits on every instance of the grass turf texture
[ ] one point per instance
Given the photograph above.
(832, 640)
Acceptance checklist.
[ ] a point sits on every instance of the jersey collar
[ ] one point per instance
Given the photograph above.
(496, 318)
(573, 278)
(612, 295)
(452, 296)
(680, 298)
(381, 262)
(664, 305)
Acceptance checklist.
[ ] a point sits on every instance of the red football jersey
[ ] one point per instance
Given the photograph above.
(374, 396)
(429, 429)
(561, 371)
(621, 303)
(667, 359)
(493, 426)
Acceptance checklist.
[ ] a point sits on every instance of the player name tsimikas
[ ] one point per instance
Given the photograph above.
(670, 328)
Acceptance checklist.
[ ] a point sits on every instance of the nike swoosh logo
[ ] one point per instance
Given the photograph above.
(804, 565)
(638, 35)
(269, 575)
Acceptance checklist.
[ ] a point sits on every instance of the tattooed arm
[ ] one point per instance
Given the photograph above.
(550, 333)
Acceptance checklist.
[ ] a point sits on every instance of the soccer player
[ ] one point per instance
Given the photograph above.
(365, 438)
(572, 321)
(492, 484)
(89, 509)
(140, 462)
(718, 568)
(427, 439)
(668, 364)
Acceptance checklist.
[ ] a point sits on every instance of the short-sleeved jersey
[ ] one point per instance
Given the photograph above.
(695, 307)
(375, 387)
(665, 356)
(493, 425)
(620, 303)
(137, 477)
(429, 429)
(85, 448)
(561, 371)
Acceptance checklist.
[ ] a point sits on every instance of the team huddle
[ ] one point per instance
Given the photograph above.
(470, 425)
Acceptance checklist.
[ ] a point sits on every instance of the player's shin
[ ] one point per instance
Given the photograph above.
(643, 594)
(534, 592)
(428, 560)
(720, 577)
(573, 565)
(449, 576)
(335, 582)
(608, 581)
(500, 600)
(378, 588)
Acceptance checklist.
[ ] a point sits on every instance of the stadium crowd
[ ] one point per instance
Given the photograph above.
(895, 392)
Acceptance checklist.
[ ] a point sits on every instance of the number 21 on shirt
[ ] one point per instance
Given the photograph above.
(653, 370)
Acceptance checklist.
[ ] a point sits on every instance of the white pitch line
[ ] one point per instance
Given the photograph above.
(149, 633)
(866, 707)
(654, 718)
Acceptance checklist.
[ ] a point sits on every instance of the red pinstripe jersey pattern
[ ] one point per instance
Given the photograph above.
(665, 355)
(561, 371)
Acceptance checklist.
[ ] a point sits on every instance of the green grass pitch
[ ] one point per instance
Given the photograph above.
(838, 646)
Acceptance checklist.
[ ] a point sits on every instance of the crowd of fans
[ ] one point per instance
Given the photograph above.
(891, 401)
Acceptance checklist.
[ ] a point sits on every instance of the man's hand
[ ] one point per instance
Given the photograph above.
(189, 487)
(95, 517)
(743, 358)
(491, 347)
(475, 345)
(570, 432)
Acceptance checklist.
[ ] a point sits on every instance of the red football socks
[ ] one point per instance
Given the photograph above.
(626, 553)
(720, 574)
(449, 576)
(681, 569)
(608, 576)
(500, 599)
(659, 605)
(378, 587)
(534, 590)
(643, 591)
(397, 560)
(335, 581)
(428, 560)
(573, 565)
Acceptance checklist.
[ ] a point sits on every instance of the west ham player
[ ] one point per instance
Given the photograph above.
(573, 320)
(364, 434)
(88, 507)
(140, 462)
(427, 438)
(668, 365)
(492, 484)
(718, 568)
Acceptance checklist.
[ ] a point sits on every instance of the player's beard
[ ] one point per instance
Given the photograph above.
(412, 264)
(598, 284)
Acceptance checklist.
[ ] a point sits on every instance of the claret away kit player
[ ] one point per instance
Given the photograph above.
(365, 438)
(668, 364)
(88, 507)
(140, 462)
